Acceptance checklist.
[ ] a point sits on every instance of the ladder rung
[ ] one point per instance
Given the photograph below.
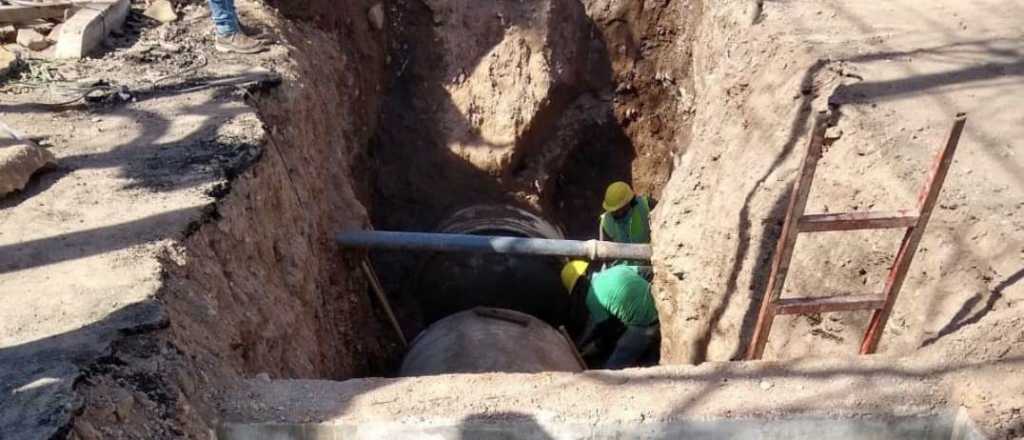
(849, 221)
(836, 303)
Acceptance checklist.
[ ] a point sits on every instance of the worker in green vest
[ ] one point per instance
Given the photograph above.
(627, 216)
(621, 311)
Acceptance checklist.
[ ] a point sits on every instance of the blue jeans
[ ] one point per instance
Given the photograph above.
(632, 347)
(225, 18)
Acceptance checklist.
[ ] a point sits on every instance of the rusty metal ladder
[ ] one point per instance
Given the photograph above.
(798, 222)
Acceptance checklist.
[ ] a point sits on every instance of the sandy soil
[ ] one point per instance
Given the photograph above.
(897, 73)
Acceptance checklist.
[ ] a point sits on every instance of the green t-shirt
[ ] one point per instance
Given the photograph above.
(634, 227)
(621, 292)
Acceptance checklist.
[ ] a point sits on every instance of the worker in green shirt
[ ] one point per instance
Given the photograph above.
(627, 216)
(616, 297)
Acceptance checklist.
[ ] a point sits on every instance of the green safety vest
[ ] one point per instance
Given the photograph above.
(634, 227)
(621, 292)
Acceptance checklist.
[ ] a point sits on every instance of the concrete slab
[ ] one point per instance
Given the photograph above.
(948, 425)
(85, 30)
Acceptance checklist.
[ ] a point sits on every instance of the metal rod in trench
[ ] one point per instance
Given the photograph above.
(379, 290)
(491, 244)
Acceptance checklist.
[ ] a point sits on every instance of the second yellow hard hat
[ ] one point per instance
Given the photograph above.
(572, 272)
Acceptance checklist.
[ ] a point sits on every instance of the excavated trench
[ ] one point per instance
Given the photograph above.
(441, 116)
(512, 120)
(448, 117)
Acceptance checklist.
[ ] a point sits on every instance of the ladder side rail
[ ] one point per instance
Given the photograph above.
(927, 197)
(787, 240)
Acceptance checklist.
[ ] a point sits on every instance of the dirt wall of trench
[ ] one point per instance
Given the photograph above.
(272, 292)
(258, 288)
(539, 105)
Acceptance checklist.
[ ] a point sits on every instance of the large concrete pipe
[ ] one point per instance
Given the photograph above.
(447, 283)
(489, 340)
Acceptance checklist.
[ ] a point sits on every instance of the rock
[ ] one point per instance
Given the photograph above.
(123, 403)
(833, 133)
(162, 11)
(376, 16)
(19, 162)
(8, 33)
(7, 61)
(32, 39)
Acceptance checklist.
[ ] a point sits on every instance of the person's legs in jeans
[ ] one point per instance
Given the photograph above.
(230, 37)
(632, 346)
(225, 17)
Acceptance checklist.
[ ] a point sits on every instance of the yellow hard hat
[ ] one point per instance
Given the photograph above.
(572, 272)
(616, 196)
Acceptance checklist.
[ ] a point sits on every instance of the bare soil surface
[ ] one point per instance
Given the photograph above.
(897, 73)
(137, 165)
(148, 265)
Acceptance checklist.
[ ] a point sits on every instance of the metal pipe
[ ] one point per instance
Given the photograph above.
(490, 244)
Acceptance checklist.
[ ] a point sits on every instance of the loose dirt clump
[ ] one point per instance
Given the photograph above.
(19, 160)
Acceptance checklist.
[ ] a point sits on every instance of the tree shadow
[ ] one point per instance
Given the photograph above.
(37, 377)
(965, 317)
(193, 159)
(40, 181)
(87, 242)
